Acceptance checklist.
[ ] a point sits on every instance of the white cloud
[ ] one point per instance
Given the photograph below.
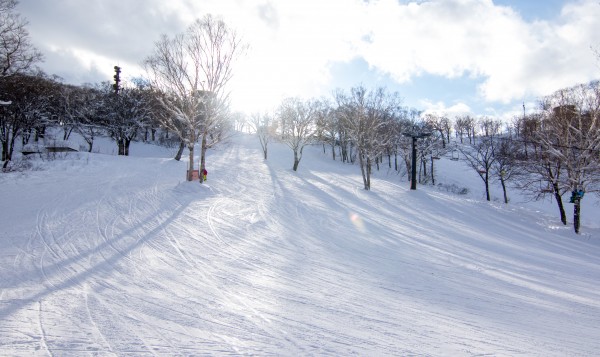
(475, 37)
(294, 43)
(440, 108)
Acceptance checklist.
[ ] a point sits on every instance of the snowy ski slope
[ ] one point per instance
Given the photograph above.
(118, 256)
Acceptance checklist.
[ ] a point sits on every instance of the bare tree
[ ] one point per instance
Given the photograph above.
(299, 128)
(339, 136)
(470, 128)
(125, 113)
(465, 125)
(262, 124)
(530, 126)
(193, 70)
(489, 126)
(30, 98)
(541, 175)
(368, 117)
(440, 125)
(505, 167)
(446, 124)
(84, 107)
(480, 157)
(17, 54)
(572, 137)
(326, 122)
(430, 149)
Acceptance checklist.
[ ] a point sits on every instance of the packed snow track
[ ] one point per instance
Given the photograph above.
(117, 256)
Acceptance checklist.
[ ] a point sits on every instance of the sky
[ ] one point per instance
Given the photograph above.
(452, 57)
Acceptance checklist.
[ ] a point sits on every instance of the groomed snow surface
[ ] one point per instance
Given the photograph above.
(103, 255)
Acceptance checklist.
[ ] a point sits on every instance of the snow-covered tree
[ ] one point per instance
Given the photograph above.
(505, 167)
(193, 70)
(540, 175)
(262, 124)
(30, 98)
(86, 106)
(340, 136)
(465, 125)
(299, 128)
(440, 126)
(480, 156)
(571, 135)
(489, 126)
(17, 53)
(125, 113)
(368, 118)
(327, 126)
(70, 102)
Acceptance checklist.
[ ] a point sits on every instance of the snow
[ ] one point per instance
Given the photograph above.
(107, 255)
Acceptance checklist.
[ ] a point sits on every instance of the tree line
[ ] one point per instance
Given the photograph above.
(553, 151)
(184, 92)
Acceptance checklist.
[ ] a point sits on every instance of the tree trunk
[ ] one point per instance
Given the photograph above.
(126, 148)
(296, 161)
(576, 214)
(121, 146)
(5, 156)
(369, 173)
(180, 150)
(361, 163)
(487, 187)
(203, 148)
(39, 133)
(350, 158)
(559, 202)
(333, 151)
(67, 132)
(432, 176)
(503, 183)
(443, 139)
(190, 145)
(5, 151)
(10, 149)
(25, 135)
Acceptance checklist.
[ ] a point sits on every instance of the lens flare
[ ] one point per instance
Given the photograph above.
(357, 222)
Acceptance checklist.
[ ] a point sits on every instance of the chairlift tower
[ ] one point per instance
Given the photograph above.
(415, 137)
(116, 86)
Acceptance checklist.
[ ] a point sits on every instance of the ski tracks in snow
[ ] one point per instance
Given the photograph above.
(265, 261)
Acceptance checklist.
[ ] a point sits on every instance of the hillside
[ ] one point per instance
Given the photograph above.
(107, 255)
